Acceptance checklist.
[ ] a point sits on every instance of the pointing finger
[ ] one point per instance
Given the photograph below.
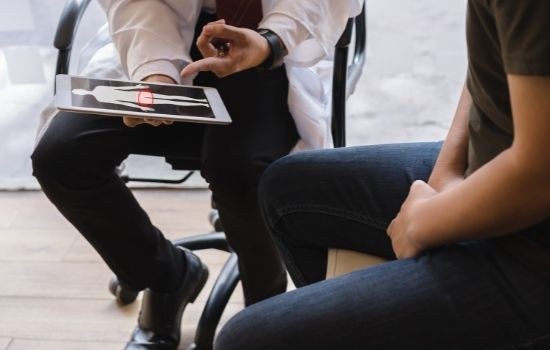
(220, 66)
(224, 31)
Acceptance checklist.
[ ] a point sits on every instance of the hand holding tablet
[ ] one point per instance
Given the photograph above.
(141, 102)
(133, 122)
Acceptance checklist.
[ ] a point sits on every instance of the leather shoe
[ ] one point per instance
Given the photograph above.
(160, 316)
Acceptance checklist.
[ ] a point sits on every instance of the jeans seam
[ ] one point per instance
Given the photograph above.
(323, 209)
(311, 208)
(289, 260)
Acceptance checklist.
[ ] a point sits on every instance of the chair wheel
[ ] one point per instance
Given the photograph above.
(123, 296)
(215, 221)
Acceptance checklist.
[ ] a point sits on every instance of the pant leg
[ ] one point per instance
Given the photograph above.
(341, 198)
(75, 164)
(236, 156)
(452, 298)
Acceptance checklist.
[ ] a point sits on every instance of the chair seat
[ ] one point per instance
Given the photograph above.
(341, 262)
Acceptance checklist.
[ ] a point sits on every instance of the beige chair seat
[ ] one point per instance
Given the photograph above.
(342, 261)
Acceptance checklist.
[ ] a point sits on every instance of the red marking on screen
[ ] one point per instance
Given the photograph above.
(145, 98)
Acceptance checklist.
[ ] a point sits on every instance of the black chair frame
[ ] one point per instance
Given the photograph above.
(344, 80)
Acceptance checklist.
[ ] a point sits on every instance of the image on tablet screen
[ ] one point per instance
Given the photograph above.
(140, 97)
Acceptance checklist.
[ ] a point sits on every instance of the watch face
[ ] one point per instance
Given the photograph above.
(263, 31)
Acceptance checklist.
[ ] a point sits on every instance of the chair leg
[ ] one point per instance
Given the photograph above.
(217, 300)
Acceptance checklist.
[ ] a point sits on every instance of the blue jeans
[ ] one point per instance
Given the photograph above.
(471, 295)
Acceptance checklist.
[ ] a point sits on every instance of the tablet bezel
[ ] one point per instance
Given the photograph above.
(63, 102)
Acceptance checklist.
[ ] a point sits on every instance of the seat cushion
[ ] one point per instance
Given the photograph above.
(341, 262)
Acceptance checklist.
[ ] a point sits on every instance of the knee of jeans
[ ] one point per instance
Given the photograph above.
(239, 333)
(278, 183)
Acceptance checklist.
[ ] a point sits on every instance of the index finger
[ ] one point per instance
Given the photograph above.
(204, 43)
(220, 66)
(205, 46)
(224, 31)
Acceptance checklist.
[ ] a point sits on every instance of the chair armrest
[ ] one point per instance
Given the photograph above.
(68, 23)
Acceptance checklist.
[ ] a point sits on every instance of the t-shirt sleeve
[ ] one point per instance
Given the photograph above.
(524, 32)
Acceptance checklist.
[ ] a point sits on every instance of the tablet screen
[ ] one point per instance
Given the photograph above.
(140, 97)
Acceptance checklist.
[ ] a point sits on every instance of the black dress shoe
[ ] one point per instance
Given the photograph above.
(160, 316)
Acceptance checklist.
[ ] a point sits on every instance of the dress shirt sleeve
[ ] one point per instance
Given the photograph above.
(149, 35)
(310, 28)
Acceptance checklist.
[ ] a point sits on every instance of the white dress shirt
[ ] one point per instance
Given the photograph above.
(155, 37)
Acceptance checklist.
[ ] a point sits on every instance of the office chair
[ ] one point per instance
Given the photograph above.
(345, 78)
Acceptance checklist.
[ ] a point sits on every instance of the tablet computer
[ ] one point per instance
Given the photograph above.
(140, 99)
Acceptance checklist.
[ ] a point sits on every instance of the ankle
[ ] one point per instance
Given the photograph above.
(169, 280)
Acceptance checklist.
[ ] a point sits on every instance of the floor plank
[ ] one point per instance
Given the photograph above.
(11, 203)
(74, 280)
(53, 285)
(35, 244)
(32, 344)
(55, 280)
(81, 320)
(39, 214)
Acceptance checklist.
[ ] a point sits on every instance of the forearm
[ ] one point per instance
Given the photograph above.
(148, 38)
(506, 195)
(321, 20)
(453, 157)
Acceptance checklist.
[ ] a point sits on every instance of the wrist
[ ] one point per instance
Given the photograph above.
(275, 47)
(419, 229)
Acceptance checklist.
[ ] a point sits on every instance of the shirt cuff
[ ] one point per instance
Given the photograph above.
(162, 67)
(291, 31)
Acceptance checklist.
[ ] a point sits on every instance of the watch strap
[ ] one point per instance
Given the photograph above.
(278, 50)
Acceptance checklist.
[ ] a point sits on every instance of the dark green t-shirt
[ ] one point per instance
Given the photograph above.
(504, 37)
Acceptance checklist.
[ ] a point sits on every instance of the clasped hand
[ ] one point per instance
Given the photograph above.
(405, 229)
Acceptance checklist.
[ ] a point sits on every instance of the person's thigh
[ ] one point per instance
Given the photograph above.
(341, 198)
(94, 145)
(456, 297)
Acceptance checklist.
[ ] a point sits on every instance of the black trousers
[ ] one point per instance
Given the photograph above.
(75, 164)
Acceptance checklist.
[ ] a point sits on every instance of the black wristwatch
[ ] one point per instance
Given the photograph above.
(278, 50)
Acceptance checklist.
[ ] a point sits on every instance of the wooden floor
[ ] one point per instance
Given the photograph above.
(53, 286)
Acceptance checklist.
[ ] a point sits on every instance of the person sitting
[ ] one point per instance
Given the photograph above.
(274, 110)
(465, 223)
